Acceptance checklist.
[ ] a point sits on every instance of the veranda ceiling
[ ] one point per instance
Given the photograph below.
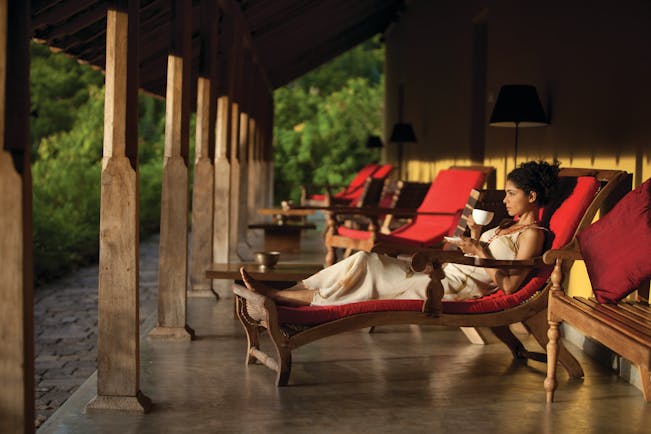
(290, 37)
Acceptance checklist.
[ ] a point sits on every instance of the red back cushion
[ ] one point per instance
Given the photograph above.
(357, 182)
(568, 215)
(617, 248)
(383, 171)
(448, 194)
(450, 190)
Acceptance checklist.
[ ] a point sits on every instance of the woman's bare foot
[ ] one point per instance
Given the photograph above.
(300, 296)
(254, 285)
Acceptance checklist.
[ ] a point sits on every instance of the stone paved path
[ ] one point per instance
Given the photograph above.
(65, 329)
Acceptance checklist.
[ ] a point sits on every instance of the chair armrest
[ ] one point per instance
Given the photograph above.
(430, 256)
(570, 251)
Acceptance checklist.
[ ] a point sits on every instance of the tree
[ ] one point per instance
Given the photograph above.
(322, 121)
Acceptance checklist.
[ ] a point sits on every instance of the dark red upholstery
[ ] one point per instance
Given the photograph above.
(355, 185)
(563, 224)
(447, 195)
(311, 315)
(617, 248)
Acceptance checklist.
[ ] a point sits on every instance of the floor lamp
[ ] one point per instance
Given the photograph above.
(402, 133)
(518, 106)
(374, 142)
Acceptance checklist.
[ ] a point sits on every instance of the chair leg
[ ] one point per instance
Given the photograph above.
(505, 335)
(552, 357)
(284, 363)
(474, 335)
(645, 378)
(251, 330)
(538, 326)
(331, 256)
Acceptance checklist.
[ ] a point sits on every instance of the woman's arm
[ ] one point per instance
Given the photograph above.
(475, 229)
(530, 244)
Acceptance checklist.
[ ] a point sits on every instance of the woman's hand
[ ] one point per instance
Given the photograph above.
(475, 228)
(471, 246)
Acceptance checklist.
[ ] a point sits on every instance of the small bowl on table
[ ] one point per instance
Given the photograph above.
(267, 259)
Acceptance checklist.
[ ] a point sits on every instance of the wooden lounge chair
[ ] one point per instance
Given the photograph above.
(291, 327)
(437, 216)
(349, 195)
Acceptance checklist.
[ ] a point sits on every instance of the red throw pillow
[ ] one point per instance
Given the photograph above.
(617, 248)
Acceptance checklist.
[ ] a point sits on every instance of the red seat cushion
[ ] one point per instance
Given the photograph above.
(320, 197)
(311, 315)
(617, 248)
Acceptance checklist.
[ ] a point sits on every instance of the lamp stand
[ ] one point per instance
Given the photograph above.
(515, 148)
(400, 160)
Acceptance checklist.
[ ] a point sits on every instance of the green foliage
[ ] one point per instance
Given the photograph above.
(58, 87)
(67, 163)
(323, 119)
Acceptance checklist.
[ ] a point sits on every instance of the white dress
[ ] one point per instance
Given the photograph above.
(369, 276)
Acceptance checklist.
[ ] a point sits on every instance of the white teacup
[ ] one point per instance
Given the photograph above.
(482, 217)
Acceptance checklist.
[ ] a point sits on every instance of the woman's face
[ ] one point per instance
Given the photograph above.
(517, 201)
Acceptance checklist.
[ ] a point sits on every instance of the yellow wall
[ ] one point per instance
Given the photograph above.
(589, 62)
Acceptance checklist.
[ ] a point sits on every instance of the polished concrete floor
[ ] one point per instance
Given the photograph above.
(398, 379)
(401, 378)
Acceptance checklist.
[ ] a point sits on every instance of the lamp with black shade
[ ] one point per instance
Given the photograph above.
(518, 106)
(373, 142)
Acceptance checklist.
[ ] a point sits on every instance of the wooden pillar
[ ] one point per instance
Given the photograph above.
(235, 83)
(203, 191)
(16, 272)
(268, 149)
(244, 250)
(253, 172)
(223, 128)
(118, 340)
(173, 259)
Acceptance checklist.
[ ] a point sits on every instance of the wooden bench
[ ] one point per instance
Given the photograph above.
(625, 327)
(617, 251)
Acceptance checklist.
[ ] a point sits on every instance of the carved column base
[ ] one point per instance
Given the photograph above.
(137, 404)
(203, 293)
(171, 333)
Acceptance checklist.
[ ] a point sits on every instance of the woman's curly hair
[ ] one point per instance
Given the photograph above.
(539, 176)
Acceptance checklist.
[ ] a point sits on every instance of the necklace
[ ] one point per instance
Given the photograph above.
(510, 230)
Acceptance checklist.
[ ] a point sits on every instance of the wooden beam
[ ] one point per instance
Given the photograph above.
(76, 23)
(317, 55)
(118, 328)
(203, 190)
(60, 12)
(173, 258)
(234, 10)
(16, 273)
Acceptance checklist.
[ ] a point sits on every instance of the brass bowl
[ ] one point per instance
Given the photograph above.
(267, 259)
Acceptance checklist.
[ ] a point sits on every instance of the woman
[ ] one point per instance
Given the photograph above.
(369, 276)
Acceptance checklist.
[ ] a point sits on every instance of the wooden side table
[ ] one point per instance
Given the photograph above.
(282, 237)
(280, 273)
(287, 215)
